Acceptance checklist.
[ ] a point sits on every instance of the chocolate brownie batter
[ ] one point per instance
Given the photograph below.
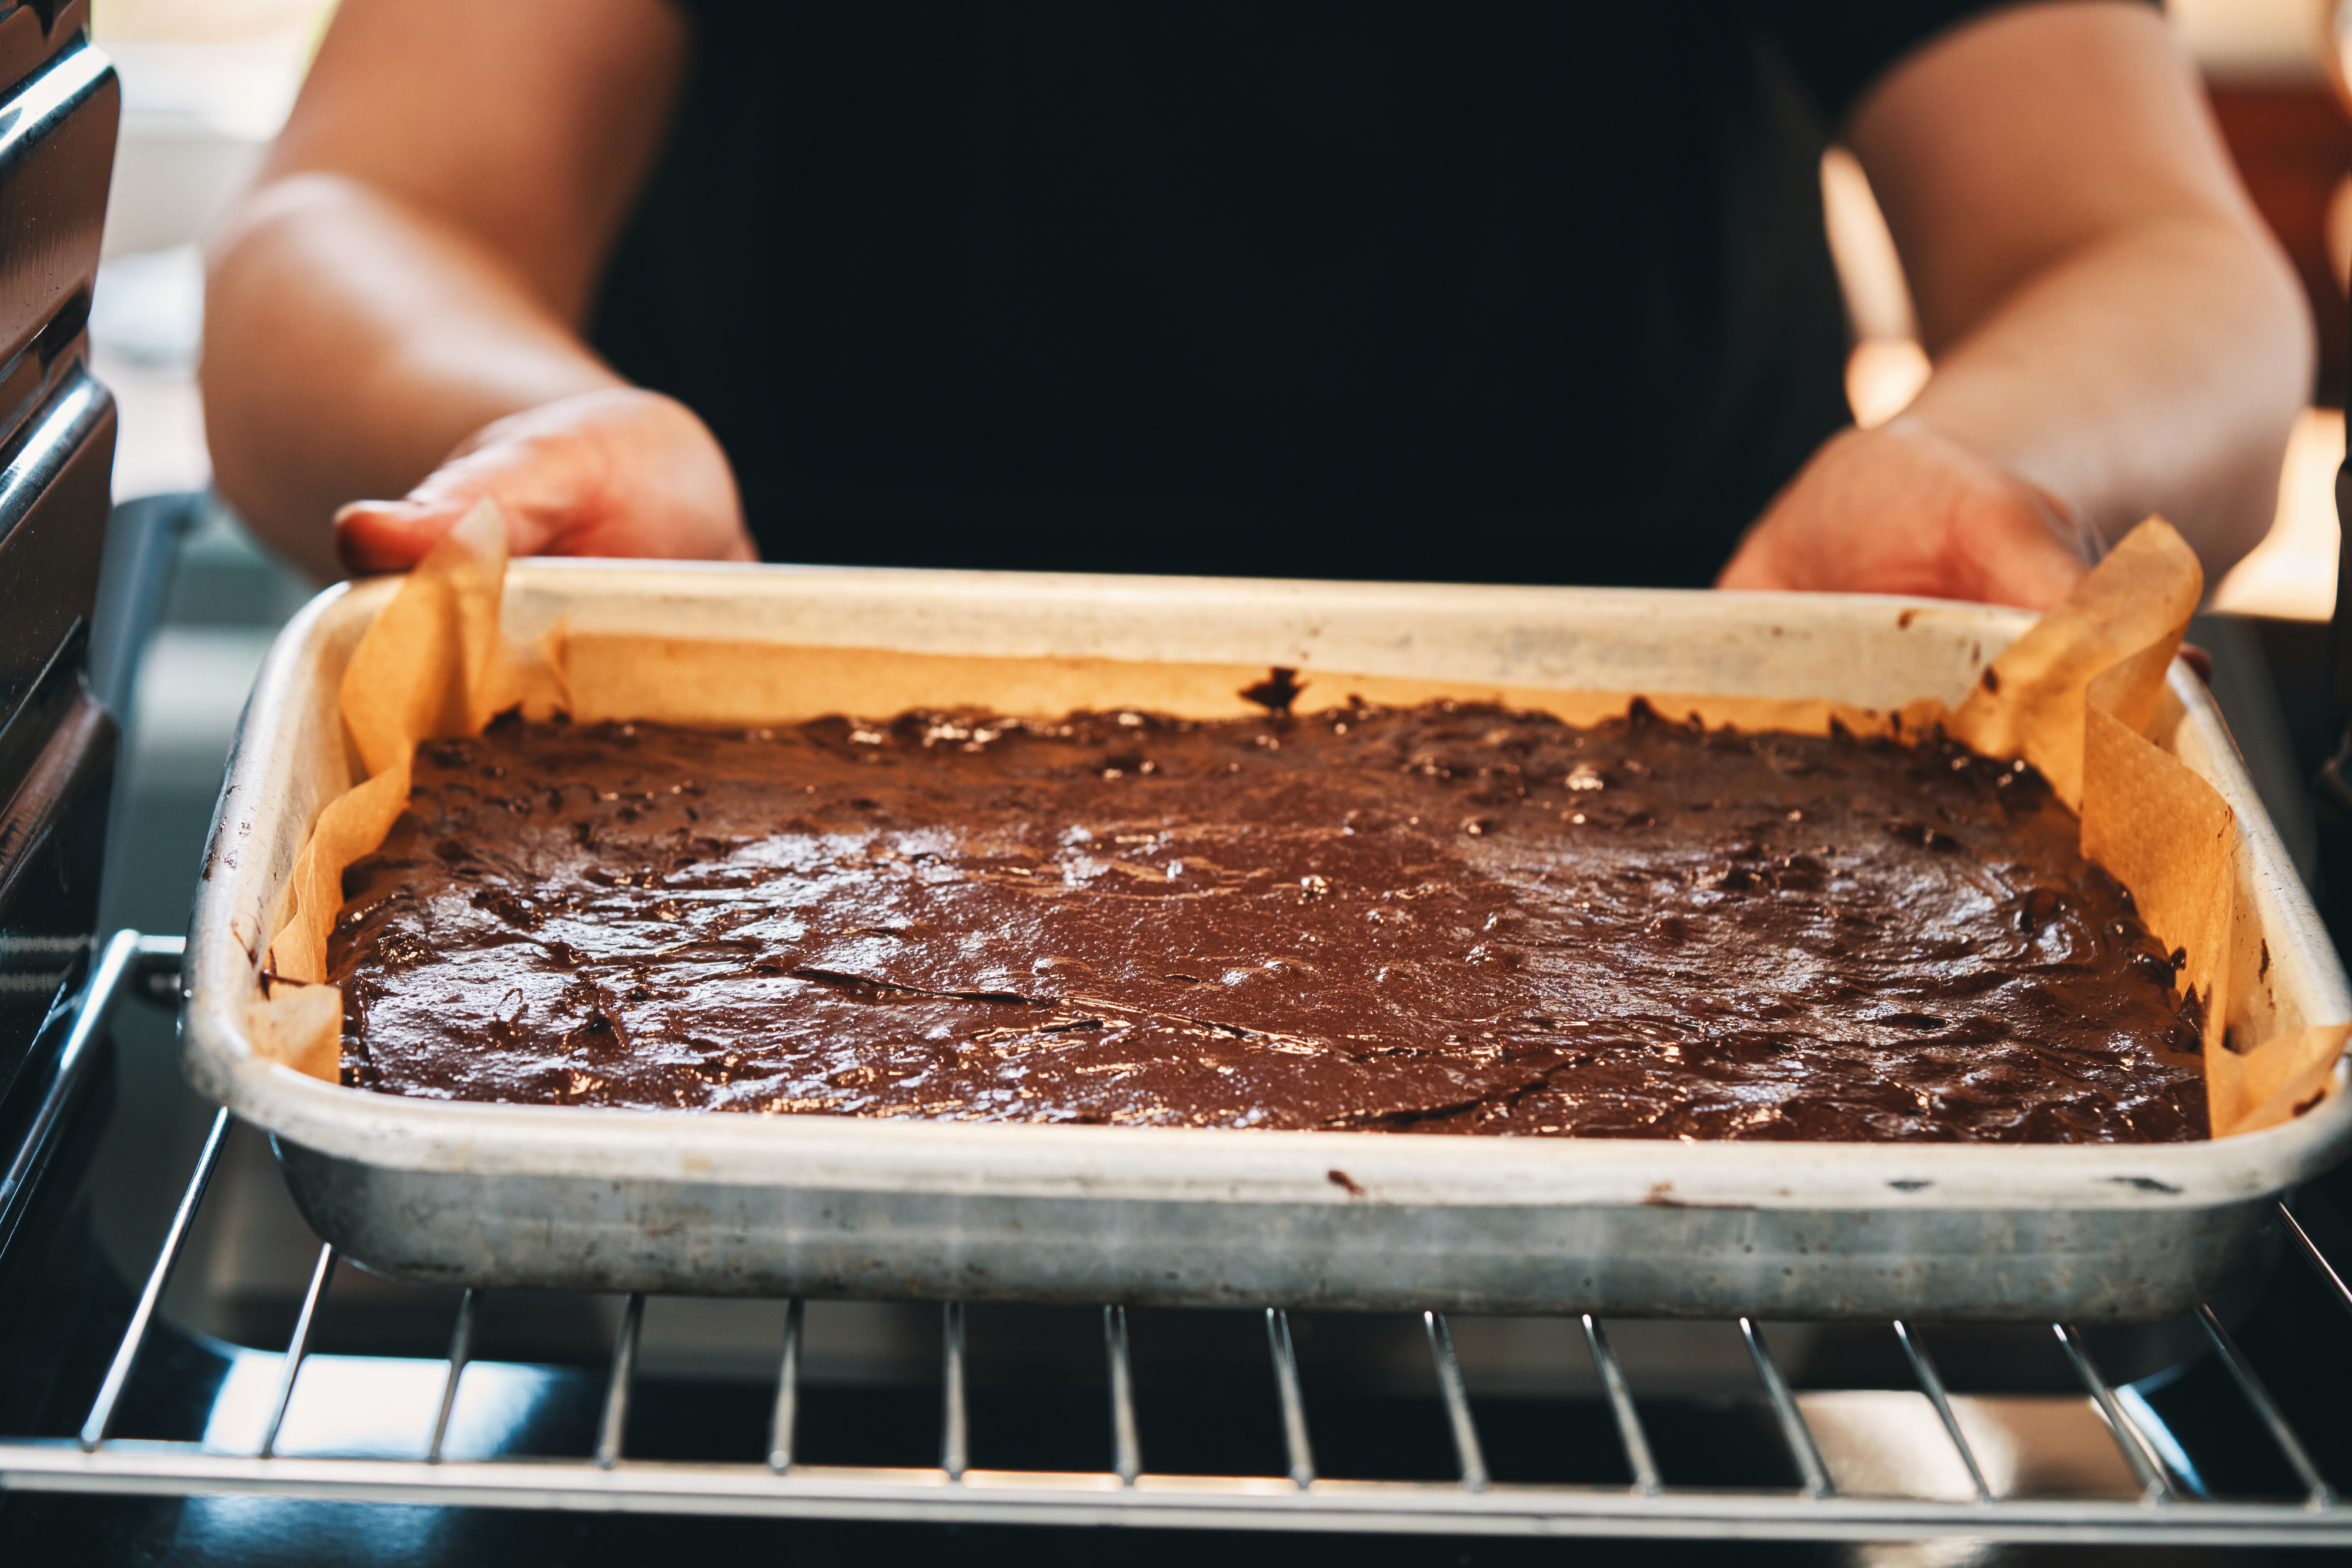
(1454, 918)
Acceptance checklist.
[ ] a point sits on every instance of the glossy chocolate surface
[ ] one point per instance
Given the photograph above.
(1447, 919)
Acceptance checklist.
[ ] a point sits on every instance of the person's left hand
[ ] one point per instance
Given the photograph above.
(1900, 510)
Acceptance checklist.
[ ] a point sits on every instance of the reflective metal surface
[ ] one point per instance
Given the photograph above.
(57, 151)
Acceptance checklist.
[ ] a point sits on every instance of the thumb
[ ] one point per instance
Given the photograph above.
(393, 535)
(2035, 572)
(2034, 557)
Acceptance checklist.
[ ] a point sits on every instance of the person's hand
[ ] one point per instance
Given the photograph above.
(617, 472)
(1900, 510)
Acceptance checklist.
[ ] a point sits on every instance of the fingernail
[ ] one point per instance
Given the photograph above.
(354, 508)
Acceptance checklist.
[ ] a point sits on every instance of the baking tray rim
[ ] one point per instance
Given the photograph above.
(1164, 1164)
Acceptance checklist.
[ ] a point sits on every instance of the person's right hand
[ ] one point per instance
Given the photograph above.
(1902, 510)
(616, 472)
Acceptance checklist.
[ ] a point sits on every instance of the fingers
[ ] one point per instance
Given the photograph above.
(537, 489)
(389, 536)
(542, 472)
(1807, 539)
(1756, 566)
(615, 472)
(1906, 512)
(2022, 561)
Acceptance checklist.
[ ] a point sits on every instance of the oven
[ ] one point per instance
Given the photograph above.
(187, 1371)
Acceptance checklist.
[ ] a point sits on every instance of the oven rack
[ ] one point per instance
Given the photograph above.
(777, 1484)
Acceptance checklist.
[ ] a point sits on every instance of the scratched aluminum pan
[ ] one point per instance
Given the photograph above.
(702, 1203)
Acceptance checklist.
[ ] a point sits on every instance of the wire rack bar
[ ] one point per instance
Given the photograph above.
(609, 1428)
(955, 1433)
(2154, 1486)
(1208, 1502)
(1630, 1435)
(1126, 1442)
(2163, 1448)
(101, 1420)
(1295, 1442)
(1793, 1430)
(1931, 1383)
(786, 1417)
(2315, 1487)
(1466, 1452)
(297, 1349)
(125, 955)
(2319, 1260)
(461, 1350)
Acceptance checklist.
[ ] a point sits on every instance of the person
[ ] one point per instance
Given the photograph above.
(1506, 292)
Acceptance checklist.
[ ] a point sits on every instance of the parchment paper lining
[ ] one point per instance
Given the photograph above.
(2075, 696)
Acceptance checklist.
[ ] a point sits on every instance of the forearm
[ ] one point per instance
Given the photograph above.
(352, 340)
(2157, 370)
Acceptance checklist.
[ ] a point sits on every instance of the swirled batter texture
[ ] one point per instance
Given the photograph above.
(1454, 918)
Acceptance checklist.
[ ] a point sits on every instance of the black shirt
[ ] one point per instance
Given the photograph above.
(1530, 292)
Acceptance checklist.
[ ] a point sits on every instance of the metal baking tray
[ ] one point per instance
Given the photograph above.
(701, 1203)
